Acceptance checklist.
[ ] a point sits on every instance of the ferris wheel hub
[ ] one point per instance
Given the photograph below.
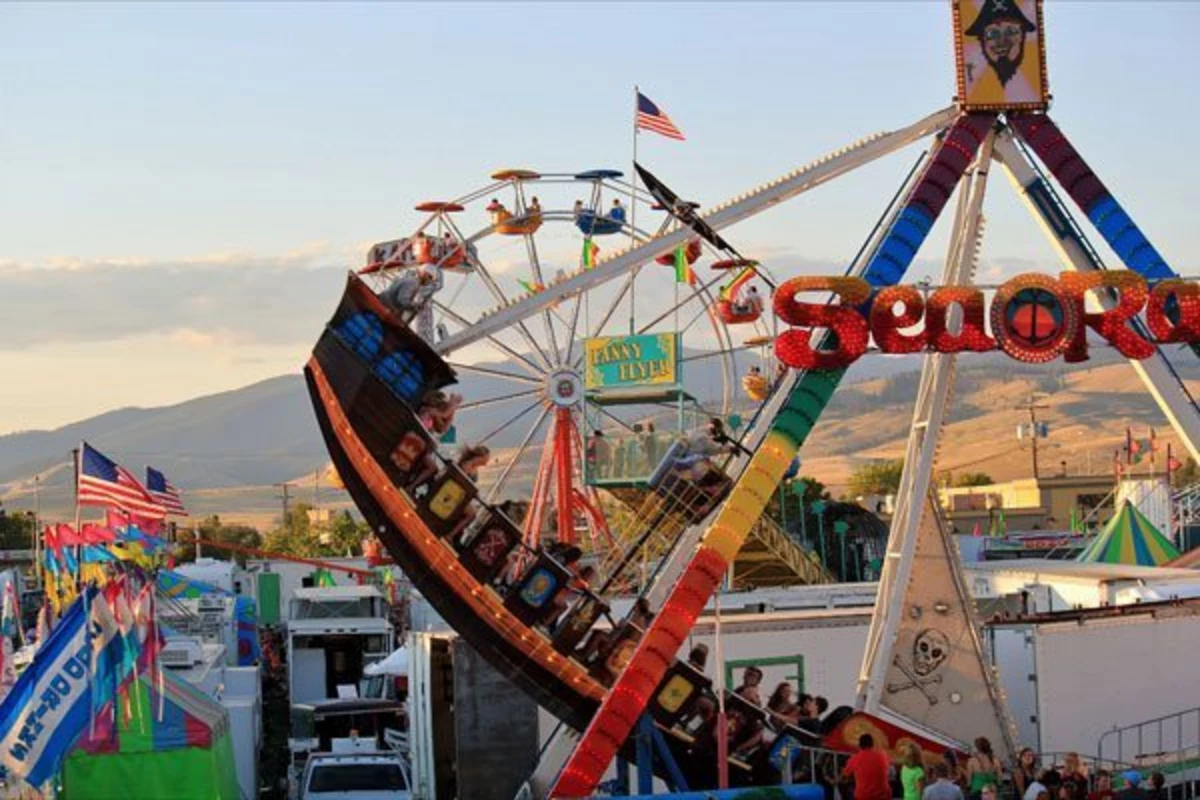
(564, 388)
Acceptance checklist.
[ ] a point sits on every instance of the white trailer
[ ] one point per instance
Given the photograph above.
(332, 634)
(1070, 677)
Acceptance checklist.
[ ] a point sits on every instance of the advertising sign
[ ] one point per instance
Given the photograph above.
(623, 362)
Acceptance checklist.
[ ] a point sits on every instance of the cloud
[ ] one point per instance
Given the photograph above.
(200, 340)
(215, 300)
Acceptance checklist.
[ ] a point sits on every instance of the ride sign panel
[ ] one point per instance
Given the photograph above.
(617, 362)
(1032, 318)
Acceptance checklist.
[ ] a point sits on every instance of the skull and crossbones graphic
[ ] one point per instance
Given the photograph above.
(931, 648)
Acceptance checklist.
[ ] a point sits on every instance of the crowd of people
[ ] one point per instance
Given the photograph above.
(982, 776)
(633, 455)
(639, 453)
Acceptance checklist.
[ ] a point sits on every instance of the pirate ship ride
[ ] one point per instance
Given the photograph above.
(372, 377)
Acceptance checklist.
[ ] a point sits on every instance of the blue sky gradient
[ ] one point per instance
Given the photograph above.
(176, 159)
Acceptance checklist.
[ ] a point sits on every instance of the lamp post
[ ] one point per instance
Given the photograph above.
(799, 486)
(841, 528)
(818, 507)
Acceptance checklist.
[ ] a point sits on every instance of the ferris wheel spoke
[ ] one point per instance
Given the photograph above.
(500, 297)
(496, 373)
(503, 398)
(508, 422)
(534, 369)
(719, 353)
(680, 305)
(502, 478)
(612, 308)
(573, 328)
(536, 264)
(614, 418)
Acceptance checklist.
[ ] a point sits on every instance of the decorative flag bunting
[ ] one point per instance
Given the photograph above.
(51, 703)
(652, 118)
(590, 251)
(122, 519)
(10, 625)
(683, 270)
(162, 491)
(531, 287)
(103, 482)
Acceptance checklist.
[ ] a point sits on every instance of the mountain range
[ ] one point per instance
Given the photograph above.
(231, 451)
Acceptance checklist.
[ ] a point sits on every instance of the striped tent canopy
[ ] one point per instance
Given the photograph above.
(1130, 538)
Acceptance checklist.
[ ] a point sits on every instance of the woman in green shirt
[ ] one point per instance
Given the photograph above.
(912, 772)
(982, 769)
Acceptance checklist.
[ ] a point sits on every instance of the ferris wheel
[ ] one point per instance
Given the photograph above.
(588, 393)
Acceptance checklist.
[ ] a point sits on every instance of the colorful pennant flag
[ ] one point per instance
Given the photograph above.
(532, 288)
(50, 705)
(590, 252)
(683, 270)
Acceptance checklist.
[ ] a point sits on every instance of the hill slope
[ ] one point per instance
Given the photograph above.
(229, 449)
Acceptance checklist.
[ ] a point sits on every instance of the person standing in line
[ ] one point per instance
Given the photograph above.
(1133, 787)
(982, 768)
(942, 787)
(912, 771)
(1025, 771)
(1157, 782)
(599, 454)
(1075, 777)
(1103, 790)
(868, 768)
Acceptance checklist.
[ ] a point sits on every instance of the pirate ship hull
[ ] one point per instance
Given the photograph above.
(365, 376)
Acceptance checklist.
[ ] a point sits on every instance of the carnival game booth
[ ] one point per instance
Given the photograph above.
(173, 746)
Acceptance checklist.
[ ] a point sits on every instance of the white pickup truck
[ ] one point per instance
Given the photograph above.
(355, 776)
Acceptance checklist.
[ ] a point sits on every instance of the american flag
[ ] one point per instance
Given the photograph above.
(652, 118)
(161, 490)
(103, 482)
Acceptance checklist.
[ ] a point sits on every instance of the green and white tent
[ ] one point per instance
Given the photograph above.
(1130, 538)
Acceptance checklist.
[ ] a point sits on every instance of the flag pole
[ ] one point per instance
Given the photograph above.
(76, 456)
(633, 209)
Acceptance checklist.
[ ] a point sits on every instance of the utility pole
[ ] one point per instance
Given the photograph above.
(1034, 434)
(37, 529)
(284, 497)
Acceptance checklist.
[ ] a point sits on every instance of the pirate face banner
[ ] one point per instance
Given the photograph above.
(1001, 54)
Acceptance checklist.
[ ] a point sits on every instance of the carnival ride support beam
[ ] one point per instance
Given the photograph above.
(740, 208)
(563, 464)
(625, 702)
(1093, 197)
(669, 571)
(894, 598)
(1156, 372)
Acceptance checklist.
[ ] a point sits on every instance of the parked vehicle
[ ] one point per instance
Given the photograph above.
(355, 776)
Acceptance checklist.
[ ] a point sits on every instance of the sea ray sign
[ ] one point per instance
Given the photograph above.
(1032, 318)
(51, 703)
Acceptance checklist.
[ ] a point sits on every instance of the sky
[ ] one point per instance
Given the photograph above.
(184, 185)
